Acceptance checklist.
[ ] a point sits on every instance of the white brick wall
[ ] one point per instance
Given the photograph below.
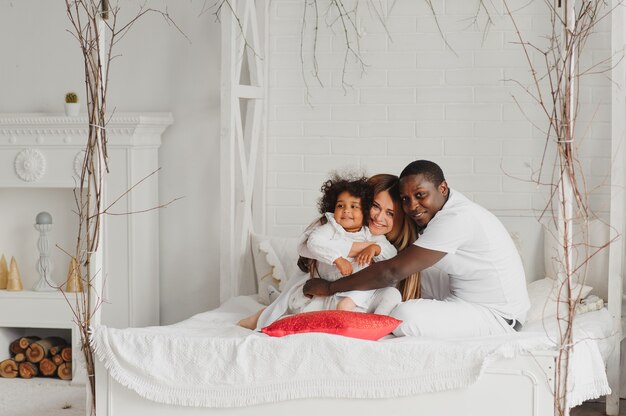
(419, 99)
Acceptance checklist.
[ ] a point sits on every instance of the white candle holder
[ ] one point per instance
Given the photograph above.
(44, 263)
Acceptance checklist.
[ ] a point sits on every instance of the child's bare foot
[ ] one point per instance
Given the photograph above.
(251, 321)
(346, 304)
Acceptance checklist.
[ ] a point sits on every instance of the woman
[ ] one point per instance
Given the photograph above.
(469, 244)
(385, 218)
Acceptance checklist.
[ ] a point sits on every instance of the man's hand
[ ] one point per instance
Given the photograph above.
(344, 266)
(316, 287)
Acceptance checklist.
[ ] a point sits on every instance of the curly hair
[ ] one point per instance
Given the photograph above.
(357, 187)
(331, 189)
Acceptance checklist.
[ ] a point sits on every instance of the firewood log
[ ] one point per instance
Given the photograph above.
(47, 367)
(14, 347)
(20, 357)
(64, 371)
(57, 349)
(66, 354)
(28, 370)
(39, 350)
(57, 359)
(8, 368)
(24, 342)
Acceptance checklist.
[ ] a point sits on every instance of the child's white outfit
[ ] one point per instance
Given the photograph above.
(326, 243)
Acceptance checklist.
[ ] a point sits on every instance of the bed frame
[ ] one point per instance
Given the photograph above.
(518, 385)
(523, 385)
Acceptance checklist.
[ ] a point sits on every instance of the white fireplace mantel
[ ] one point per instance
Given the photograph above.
(46, 151)
(50, 144)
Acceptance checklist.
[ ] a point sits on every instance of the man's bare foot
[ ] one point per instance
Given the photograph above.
(251, 321)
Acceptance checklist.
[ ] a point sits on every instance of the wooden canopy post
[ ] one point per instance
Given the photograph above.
(618, 200)
(243, 138)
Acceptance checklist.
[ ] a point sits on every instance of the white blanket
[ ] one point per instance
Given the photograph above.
(210, 362)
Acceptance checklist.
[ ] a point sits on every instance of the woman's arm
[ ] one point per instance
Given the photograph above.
(383, 274)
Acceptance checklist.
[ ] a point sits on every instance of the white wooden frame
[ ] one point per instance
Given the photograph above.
(522, 386)
(243, 138)
(518, 385)
(618, 201)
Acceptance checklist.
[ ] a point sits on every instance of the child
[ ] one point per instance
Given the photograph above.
(344, 207)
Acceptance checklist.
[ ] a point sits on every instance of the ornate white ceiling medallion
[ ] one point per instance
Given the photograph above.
(30, 165)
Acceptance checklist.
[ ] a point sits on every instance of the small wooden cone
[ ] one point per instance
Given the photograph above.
(14, 282)
(4, 272)
(74, 283)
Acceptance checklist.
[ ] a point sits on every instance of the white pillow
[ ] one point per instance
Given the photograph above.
(596, 269)
(543, 297)
(275, 262)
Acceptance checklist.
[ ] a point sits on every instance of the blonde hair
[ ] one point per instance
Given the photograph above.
(403, 233)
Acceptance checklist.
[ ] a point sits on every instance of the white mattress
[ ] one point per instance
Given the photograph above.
(219, 364)
(595, 325)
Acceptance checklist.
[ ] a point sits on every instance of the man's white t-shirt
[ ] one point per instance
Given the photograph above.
(482, 261)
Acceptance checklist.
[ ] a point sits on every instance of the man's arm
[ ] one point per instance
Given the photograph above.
(382, 274)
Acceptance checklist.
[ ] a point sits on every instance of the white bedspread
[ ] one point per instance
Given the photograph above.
(210, 362)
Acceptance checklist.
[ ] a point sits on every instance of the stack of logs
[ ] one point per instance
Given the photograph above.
(32, 356)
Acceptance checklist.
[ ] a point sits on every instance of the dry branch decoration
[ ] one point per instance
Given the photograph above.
(344, 20)
(341, 17)
(96, 25)
(556, 73)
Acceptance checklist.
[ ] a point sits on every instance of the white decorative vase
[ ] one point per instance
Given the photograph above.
(72, 109)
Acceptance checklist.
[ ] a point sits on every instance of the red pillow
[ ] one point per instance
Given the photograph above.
(368, 326)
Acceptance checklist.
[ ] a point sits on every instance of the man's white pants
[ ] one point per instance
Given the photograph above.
(442, 315)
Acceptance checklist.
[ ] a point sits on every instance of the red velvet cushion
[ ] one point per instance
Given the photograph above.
(350, 324)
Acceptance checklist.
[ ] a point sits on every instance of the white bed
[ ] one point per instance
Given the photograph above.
(516, 376)
(240, 372)
(209, 366)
